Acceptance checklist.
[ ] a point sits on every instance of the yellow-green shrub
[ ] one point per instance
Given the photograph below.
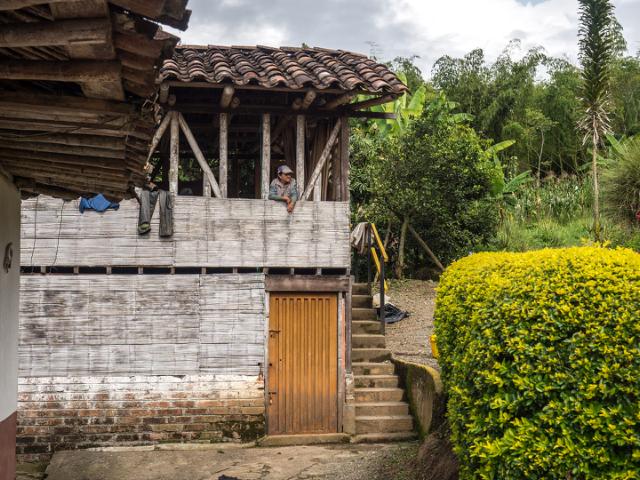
(540, 356)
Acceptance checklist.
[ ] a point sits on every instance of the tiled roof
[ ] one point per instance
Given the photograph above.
(283, 67)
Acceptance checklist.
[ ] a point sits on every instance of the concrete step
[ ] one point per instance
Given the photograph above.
(363, 314)
(370, 354)
(388, 424)
(371, 395)
(381, 409)
(384, 437)
(367, 341)
(360, 289)
(361, 301)
(375, 381)
(359, 327)
(372, 368)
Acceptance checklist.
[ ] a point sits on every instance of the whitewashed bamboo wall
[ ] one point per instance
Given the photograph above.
(209, 232)
(141, 324)
(9, 234)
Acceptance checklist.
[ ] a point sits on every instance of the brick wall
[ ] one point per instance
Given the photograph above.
(56, 413)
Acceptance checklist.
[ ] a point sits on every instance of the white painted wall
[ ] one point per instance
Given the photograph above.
(9, 288)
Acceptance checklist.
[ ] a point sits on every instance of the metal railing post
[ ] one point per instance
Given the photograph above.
(382, 320)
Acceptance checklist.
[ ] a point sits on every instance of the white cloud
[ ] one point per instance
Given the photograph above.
(428, 28)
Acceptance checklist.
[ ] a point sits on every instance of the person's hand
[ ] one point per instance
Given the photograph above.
(290, 207)
(287, 199)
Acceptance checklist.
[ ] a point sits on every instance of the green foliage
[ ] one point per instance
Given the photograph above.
(561, 199)
(621, 183)
(625, 95)
(541, 361)
(405, 108)
(437, 173)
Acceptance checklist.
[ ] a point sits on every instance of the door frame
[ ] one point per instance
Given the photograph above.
(310, 284)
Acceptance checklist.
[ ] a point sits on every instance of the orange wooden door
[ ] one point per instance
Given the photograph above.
(303, 363)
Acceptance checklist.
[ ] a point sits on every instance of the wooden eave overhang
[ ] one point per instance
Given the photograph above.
(75, 80)
(334, 78)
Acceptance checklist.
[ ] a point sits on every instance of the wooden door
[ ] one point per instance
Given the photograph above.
(303, 363)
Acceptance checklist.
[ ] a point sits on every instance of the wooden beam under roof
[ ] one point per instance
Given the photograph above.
(6, 5)
(73, 71)
(93, 31)
(82, 10)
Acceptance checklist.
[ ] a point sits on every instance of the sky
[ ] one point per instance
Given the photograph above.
(390, 28)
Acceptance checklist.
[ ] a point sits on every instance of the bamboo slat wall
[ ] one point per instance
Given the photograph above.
(209, 232)
(141, 324)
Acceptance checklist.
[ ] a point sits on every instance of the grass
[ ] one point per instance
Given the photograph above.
(557, 215)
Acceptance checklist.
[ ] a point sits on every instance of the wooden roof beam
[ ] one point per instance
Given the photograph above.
(99, 79)
(308, 99)
(372, 102)
(341, 100)
(72, 71)
(227, 96)
(169, 12)
(93, 31)
(18, 4)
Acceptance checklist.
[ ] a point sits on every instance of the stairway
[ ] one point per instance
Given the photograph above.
(381, 412)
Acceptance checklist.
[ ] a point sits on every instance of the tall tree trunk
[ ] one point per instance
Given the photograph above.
(387, 235)
(403, 239)
(596, 188)
(540, 156)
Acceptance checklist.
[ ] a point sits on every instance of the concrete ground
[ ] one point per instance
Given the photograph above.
(230, 462)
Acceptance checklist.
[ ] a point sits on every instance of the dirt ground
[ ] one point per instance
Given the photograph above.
(409, 338)
(235, 462)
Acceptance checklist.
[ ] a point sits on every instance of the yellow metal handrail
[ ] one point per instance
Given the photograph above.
(380, 244)
(376, 260)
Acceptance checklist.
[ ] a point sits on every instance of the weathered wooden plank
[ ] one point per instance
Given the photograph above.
(224, 140)
(266, 155)
(193, 143)
(70, 71)
(315, 176)
(141, 324)
(209, 232)
(88, 31)
(174, 159)
(300, 134)
(306, 283)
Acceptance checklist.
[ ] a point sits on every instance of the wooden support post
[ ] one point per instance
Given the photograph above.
(317, 171)
(224, 145)
(164, 93)
(317, 189)
(199, 155)
(300, 134)
(159, 133)
(344, 160)
(425, 247)
(266, 155)
(174, 155)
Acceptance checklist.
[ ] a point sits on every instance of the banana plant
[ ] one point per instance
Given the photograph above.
(404, 107)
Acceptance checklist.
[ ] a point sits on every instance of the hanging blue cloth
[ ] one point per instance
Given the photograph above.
(97, 203)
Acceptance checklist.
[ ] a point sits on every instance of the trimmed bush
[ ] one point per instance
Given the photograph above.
(540, 356)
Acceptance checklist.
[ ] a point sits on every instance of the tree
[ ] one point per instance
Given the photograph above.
(436, 177)
(598, 42)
